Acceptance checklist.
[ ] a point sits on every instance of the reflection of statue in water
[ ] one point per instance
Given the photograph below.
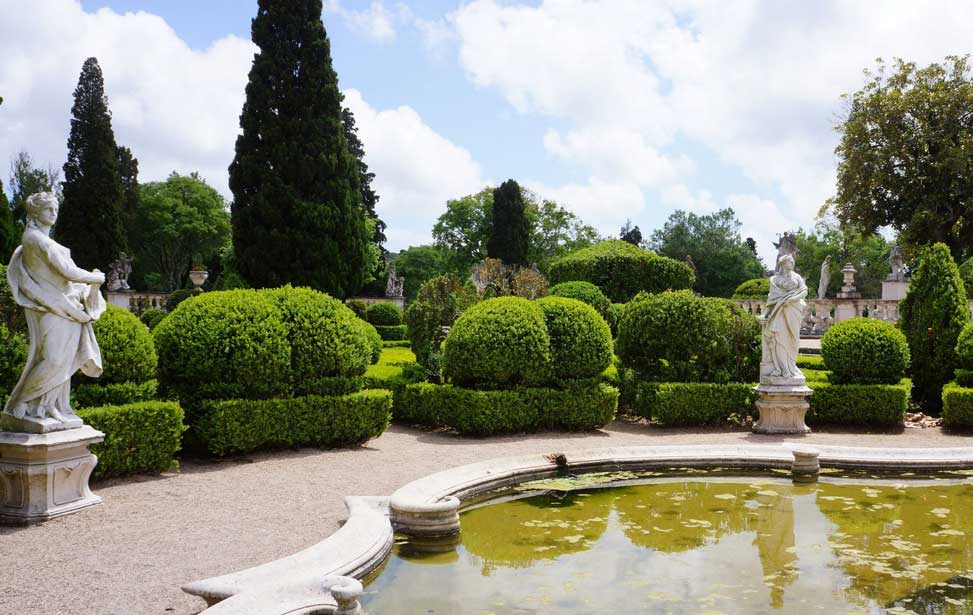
(825, 277)
(785, 311)
(118, 273)
(61, 300)
(775, 542)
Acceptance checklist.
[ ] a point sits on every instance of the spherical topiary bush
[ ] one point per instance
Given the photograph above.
(375, 339)
(385, 314)
(127, 348)
(152, 317)
(326, 338)
(581, 342)
(674, 337)
(757, 288)
(224, 344)
(501, 341)
(865, 351)
(586, 292)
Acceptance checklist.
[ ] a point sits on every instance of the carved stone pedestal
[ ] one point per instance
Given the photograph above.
(43, 476)
(782, 404)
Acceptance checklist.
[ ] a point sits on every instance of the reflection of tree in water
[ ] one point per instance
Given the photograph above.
(951, 597)
(896, 541)
(537, 528)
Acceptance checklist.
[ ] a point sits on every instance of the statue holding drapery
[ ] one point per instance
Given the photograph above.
(785, 311)
(61, 300)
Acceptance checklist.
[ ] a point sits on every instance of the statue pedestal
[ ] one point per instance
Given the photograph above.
(783, 403)
(43, 476)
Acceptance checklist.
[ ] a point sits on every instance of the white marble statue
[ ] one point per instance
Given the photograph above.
(785, 311)
(825, 277)
(61, 301)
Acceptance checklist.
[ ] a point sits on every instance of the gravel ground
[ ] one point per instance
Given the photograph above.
(154, 533)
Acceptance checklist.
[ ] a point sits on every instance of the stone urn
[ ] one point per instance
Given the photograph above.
(198, 277)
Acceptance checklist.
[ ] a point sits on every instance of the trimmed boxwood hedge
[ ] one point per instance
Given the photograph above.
(693, 403)
(152, 317)
(501, 341)
(957, 407)
(384, 314)
(872, 405)
(241, 425)
(757, 288)
(393, 333)
(396, 344)
(580, 340)
(142, 437)
(127, 349)
(476, 412)
(92, 395)
(621, 270)
(586, 292)
(865, 351)
(805, 361)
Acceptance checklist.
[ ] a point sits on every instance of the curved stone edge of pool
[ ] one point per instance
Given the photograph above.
(308, 582)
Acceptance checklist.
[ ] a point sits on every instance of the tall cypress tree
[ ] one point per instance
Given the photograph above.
(368, 196)
(90, 220)
(297, 214)
(128, 175)
(510, 236)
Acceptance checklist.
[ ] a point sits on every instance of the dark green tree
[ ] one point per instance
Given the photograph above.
(630, 234)
(510, 233)
(297, 214)
(128, 174)
(369, 199)
(931, 316)
(712, 243)
(905, 158)
(9, 234)
(418, 264)
(27, 179)
(90, 220)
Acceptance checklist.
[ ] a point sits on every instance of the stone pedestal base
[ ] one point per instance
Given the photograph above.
(782, 407)
(43, 476)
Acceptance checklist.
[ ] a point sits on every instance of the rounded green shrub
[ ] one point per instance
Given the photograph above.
(224, 344)
(152, 317)
(358, 307)
(499, 342)
(738, 357)
(678, 337)
(621, 270)
(13, 356)
(375, 340)
(127, 348)
(757, 288)
(385, 314)
(865, 351)
(179, 296)
(586, 292)
(581, 341)
(326, 338)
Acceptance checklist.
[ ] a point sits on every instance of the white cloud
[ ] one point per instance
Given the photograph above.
(375, 23)
(755, 82)
(416, 169)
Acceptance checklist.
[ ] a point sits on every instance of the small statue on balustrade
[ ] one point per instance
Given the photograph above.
(825, 277)
(118, 273)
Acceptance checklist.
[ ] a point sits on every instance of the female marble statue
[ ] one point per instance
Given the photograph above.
(825, 277)
(61, 300)
(785, 311)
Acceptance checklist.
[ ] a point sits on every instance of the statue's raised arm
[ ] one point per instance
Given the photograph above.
(60, 300)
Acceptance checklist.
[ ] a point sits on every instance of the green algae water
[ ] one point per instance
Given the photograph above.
(700, 545)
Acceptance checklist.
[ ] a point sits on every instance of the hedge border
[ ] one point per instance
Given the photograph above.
(120, 393)
(393, 333)
(141, 437)
(957, 407)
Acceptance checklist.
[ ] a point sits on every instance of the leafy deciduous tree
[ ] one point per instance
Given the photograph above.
(25, 180)
(418, 264)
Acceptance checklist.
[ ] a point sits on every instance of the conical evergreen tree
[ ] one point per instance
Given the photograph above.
(931, 316)
(297, 215)
(510, 236)
(368, 196)
(90, 220)
(128, 175)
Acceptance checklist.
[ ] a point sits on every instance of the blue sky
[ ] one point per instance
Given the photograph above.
(616, 109)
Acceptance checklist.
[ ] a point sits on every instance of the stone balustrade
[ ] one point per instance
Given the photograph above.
(822, 313)
(137, 301)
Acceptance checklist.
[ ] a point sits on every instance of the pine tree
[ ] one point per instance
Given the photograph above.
(931, 316)
(297, 215)
(510, 235)
(368, 197)
(90, 220)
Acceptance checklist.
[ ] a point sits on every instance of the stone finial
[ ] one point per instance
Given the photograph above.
(346, 592)
(806, 466)
(848, 290)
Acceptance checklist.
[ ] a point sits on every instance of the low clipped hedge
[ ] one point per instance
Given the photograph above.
(580, 340)
(872, 405)
(957, 407)
(396, 344)
(242, 425)
(805, 361)
(757, 288)
(865, 351)
(141, 437)
(152, 317)
(114, 394)
(501, 341)
(384, 314)
(674, 404)
(621, 270)
(476, 412)
(393, 333)
(964, 378)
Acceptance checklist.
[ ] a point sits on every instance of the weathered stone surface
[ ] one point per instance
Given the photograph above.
(783, 407)
(43, 476)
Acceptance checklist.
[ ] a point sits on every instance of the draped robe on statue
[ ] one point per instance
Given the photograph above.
(785, 312)
(59, 315)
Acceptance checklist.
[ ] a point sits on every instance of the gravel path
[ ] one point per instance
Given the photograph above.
(154, 533)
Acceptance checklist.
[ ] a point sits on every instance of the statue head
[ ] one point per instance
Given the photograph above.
(786, 263)
(42, 208)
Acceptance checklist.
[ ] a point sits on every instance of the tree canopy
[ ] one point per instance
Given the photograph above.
(90, 219)
(710, 244)
(177, 222)
(905, 158)
(630, 234)
(418, 264)
(297, 213)
(869, 254)
(27, 179)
